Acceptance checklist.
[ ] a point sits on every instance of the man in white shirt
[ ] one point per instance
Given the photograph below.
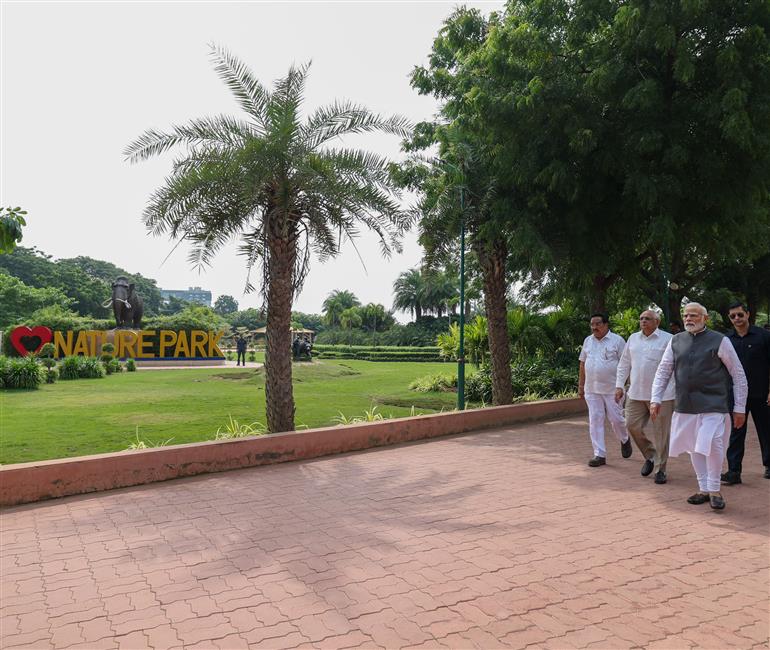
(702, 362)
(640, 359)
(598, 367)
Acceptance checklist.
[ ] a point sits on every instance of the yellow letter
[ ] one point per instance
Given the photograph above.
(182, 345)
(81, 344)
(129, 343)
(63, 346)
(93, 336)
(144, 347)
(198, 343)
(167, 339)
(214, 350)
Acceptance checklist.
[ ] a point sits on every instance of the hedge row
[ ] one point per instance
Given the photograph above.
(379, 355)
(320, 347)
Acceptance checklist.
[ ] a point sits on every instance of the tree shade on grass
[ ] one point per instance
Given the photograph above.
(101, 415)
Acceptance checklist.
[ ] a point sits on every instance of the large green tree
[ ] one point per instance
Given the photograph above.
(337, 302)
(19, 300)
(637, 132)
(277, 185)
(225, 305)
(461, 186)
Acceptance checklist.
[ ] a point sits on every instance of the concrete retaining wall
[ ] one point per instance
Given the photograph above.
(27, 482)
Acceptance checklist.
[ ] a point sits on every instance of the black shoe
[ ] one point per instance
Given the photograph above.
(717, 502)
(660, 477)
(626, 449)
(596, 461)
(647, 467)
(767, 472)
(731, 478)
(698, 498)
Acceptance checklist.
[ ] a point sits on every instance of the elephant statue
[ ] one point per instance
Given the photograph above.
(127, 305)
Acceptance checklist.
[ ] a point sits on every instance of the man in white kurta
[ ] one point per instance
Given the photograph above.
(598, 368)
(640, 360)
(703, 361)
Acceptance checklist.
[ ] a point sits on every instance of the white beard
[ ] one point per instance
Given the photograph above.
(692, 327)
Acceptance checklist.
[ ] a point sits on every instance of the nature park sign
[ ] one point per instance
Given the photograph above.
(135, 344)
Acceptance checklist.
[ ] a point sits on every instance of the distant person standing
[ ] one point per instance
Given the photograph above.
(702, 361)
(752, 344)
(240, 348)
(640, 360)
(675, 326)
(598, 368)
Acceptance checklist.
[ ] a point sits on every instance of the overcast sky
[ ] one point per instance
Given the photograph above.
(82, 80)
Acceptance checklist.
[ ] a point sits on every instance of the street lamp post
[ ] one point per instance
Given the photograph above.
(461, 355)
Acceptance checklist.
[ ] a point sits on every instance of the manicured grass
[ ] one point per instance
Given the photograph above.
(89, 416)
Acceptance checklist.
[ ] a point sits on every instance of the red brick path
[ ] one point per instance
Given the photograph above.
(503, 538)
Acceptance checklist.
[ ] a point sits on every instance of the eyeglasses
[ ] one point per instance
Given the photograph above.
(737, 315)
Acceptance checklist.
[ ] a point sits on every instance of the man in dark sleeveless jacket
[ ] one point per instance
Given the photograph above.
(702, 361)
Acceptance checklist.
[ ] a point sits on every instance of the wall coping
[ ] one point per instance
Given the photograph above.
(39, 480)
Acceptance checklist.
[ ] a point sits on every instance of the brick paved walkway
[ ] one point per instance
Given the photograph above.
(499, 539)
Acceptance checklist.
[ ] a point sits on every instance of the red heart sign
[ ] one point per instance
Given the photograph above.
(29, 340)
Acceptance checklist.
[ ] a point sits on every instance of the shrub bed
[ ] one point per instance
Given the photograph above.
(81, 368)
(540, 376)
(21, 373)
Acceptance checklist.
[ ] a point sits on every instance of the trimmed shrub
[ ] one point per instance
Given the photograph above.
(130, 365)
(92, 368)
(113, 366)
(69, 368)
(81, 368)
(23, 373)
(51, 375)
(377, 353)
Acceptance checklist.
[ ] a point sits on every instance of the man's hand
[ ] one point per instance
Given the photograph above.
(739, 419)
(618, 395)
(654, 411)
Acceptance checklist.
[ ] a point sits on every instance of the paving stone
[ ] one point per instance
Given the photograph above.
(463, 542)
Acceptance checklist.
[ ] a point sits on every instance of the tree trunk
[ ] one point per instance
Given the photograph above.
(417, 312)
(599, 295)
(279, 393)
(493, 259)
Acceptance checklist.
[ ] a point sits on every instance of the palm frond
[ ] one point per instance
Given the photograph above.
(221, 131)
(248, 92)
(344, 118)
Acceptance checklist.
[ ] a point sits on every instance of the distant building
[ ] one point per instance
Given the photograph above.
(193, 294)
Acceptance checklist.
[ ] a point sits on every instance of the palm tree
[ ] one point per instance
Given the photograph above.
(273, 183)
(337, 302)
(408, 292)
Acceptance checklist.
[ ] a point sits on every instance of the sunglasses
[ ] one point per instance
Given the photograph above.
(738, 315)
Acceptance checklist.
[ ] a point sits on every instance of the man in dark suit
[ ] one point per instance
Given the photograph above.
(752, 344)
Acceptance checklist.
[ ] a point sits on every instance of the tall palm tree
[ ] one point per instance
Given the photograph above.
(337, 302)
(409, 292)
(276, 185)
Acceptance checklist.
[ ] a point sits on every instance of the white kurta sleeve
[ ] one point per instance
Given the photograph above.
(729, 357)
(624, 367)
(662, 375)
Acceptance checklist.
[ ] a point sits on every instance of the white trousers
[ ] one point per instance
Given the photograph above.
(708, 467)
(599, 407)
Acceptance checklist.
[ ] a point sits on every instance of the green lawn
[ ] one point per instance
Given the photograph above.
(89, 416)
